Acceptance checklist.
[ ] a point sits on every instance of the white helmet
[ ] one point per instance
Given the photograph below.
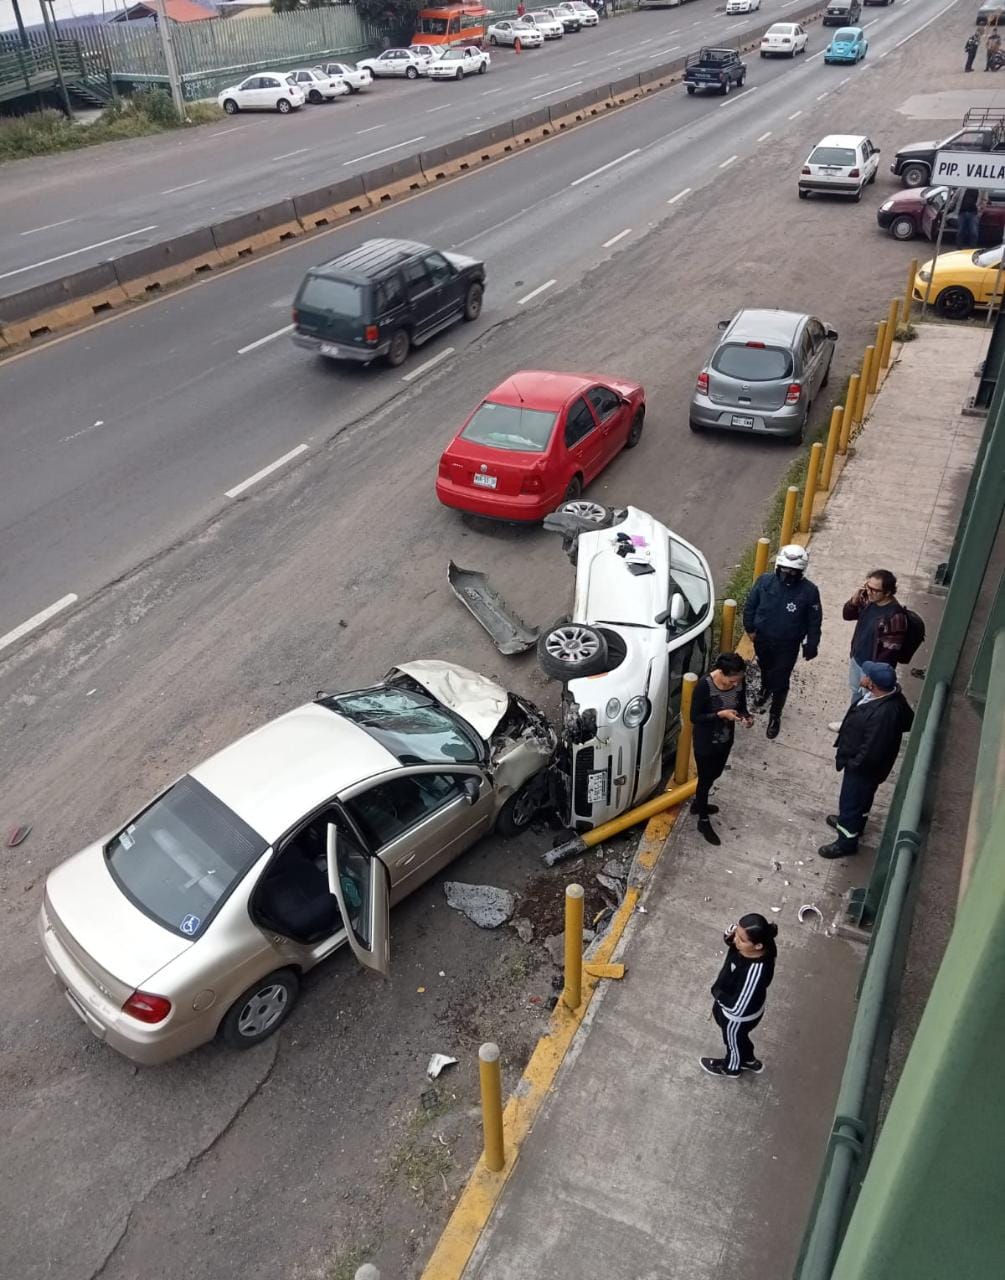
(792, 557)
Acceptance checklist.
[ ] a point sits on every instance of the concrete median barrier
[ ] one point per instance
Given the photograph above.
(667, 73)
(441, 162)
(626, 90)
(46, 308)
(393, 180)
(532, 127)
(330, 204)
(584, 106)
(149, 270)
(242, 235)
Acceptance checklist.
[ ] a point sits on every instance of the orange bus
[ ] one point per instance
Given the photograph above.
(454, 24)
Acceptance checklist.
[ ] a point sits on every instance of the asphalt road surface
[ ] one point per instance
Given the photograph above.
(62, 213)
(312, 1152)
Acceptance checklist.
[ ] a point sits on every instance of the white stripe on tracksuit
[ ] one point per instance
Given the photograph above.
(738, 1013)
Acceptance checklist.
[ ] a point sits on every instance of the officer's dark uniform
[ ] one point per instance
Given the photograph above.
(781, 615)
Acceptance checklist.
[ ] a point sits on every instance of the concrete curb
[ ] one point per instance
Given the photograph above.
(74, 300)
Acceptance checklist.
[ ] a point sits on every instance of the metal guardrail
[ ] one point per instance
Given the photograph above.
(37, 63)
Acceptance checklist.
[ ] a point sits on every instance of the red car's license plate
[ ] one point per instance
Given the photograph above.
(485, 482)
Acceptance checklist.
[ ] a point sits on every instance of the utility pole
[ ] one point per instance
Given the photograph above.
(54, 50)
(167, 45)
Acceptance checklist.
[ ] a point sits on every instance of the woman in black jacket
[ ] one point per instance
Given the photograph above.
(718, 704)
(739, 993)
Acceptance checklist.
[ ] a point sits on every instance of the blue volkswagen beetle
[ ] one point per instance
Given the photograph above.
(848, 45)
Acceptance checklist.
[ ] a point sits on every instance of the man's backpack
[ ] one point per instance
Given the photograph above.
(914, 636)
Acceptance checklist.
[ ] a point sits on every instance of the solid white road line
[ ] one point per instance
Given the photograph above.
(360, 132)
(725, 163)
(764, 136)
(604, 167)
(660, 52)
(679, 196)
(243, 351)
(614, 239)
(736, 25)
(266, 471)
(233, 129)
(489, 92)
(561, 89)
(534, 292)
(821, 96)
(73, 252)
(795, 114)
(442, 107)
(742, 94)
(430, 364)
(384, 150)
(844, 81)
(37, 620)
(184, 187)
(918, 30)
(286, 154)
(48, 227)
(579, 64)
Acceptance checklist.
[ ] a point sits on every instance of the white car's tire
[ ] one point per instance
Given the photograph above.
(572, 651)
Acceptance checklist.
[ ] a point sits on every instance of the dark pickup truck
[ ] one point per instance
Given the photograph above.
(717, 69)
(983, 130)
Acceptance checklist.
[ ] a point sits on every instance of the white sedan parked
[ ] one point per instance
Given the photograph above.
(742, 6)
(465, 60)
(587, 15)
(398, 62)
(787, 38)
(355, 78)
(510, 32)
(548, 26)
(316, 86)
(268, 91)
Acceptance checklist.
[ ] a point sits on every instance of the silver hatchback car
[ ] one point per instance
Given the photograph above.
(764, 374)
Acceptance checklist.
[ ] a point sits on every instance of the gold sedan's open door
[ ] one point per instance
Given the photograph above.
(360, 884)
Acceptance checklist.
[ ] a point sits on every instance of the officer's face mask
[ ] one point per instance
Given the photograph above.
(789, 576)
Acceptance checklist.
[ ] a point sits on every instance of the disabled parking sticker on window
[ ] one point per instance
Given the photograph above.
(190, 925)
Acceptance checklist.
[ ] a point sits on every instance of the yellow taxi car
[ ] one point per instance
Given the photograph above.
(957, 283)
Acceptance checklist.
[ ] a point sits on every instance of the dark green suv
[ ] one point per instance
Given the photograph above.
(384, 298)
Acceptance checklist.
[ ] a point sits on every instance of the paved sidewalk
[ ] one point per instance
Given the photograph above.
(641, 1167)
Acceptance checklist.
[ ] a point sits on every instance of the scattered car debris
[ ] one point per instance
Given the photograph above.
(509, 633)
(775, 865)
(612, 867)
(483, 904)
(17, 835)
(644, 911)
(437, 1063)
(612, 884)
(807, 910)
(523, 927)
(776, 909)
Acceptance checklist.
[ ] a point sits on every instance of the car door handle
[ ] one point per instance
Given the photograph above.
(405, 861)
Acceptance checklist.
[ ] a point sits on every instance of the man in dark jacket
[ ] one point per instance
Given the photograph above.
(866, 750)
(782, 612)
(880, 628)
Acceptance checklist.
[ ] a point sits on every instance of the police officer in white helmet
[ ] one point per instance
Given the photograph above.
(782, 613)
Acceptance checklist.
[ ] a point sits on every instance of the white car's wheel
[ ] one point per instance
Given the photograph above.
(231, 107)
(571, 651)
(284, 107)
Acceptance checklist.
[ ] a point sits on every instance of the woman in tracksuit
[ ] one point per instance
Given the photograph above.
(739, 993)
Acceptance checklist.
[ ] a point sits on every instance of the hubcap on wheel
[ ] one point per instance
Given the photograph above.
(585, 510)
(572, 644)
(263, 1010)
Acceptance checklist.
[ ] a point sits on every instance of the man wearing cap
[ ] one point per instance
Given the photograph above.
(866, 750)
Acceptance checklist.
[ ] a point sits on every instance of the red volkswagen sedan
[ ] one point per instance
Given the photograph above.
(538, 440)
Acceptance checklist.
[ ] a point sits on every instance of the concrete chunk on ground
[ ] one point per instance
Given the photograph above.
(485, 905)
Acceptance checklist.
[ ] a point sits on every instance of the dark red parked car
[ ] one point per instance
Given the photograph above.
(919, 211)
(538, 440)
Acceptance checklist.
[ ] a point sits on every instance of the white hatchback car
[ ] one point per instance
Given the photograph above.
(316, 85)
(407, 63)
(641, 618)
(198, 916)
(784, 39)
(548, 26)
(840, 164)
(267, 91)
(461, 61)
(510, 32)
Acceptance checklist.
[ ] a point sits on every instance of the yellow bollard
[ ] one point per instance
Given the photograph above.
(572, 993)
(877, 360)
(728, 623)
(912, 271)
(788, 516)
(873, 358)
(490, 1077)
(833, 436)
(891, 332)
(682, 765)
(761, 557)
(851, 405)
(810, 490)
(863, 386)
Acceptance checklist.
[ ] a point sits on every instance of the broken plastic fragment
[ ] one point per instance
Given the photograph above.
(808, 909)
(437, 1063)
(17, 835)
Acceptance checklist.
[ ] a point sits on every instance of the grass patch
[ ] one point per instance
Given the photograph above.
(147, 112)
(345, 1262)
(421, 1158)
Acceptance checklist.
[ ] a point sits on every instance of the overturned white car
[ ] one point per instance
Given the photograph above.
(641, 618)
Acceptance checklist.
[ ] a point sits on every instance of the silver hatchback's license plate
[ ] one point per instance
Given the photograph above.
(329, 349)
(740, 421)
(596, 787)
(485, 482)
